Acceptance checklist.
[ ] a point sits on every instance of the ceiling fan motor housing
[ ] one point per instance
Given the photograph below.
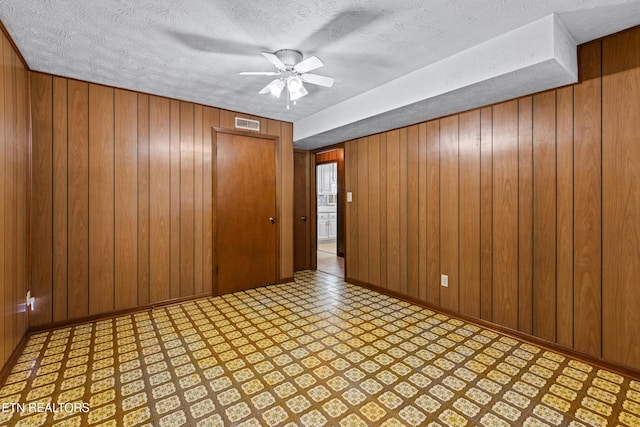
(289, 57)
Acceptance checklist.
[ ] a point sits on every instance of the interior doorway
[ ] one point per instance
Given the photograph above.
(327, 202)
(327, 208)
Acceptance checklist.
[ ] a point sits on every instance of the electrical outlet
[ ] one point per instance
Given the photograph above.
(444, 280)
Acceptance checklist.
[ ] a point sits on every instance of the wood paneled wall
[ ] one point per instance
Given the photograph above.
(122, 188)
(530, 206)
(14, 213)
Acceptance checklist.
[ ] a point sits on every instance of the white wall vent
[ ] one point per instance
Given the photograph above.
(248, 124)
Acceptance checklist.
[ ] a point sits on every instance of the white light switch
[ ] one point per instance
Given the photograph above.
(31, 301)
(349, 196)
(444, 280)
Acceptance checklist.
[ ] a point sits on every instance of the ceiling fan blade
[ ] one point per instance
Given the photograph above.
(302, 92)
(275, 88)
(308, 64)
(274, 60)
(316, 79)
(350, 21)
(209, 44)
(259, 73)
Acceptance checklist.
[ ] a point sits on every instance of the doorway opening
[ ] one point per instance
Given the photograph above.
(328, 260)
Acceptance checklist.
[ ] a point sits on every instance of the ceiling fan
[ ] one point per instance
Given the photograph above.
(292, 72)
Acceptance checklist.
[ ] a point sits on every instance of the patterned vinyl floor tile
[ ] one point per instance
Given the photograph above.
(316, 352)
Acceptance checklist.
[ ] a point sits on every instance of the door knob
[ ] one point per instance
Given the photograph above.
(272, 219)
(304, 218)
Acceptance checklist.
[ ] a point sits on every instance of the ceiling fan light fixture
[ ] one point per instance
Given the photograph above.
(292, 74)
(294, 84)
(276, 88)
(297, 95)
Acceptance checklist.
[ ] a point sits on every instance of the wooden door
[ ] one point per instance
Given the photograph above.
(301, 211)
(245, 211)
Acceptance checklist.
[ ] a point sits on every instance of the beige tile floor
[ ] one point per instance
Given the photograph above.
(331, 264)
(311, 353)
(329, 247)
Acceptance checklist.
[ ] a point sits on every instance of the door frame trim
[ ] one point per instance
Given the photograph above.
(342, 204)
(215, 130)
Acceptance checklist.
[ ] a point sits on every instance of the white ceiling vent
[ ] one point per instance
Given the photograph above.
(248, 124)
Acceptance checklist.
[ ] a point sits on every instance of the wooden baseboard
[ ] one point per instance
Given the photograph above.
(547, 345)
(286, 280)
(113, 314)
(6, 369)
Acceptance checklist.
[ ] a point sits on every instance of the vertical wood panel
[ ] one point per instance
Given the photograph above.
(351, 161)
(363, 208)
(274, 128)
(505, 214)
(393, 210)
(383, 210)
(433, 212)
(198, 200)
(186, 199)
(470, 213)
(41, 89)
(5, 346)
(412, 214)
(78, 198)
(486, 213)
(17, 191)
(101, 199)
(8, 163)
(621, 198)
(373, 178)
(60, 213)
(10, 195)
(587, 250)
(525, 214)
(143, 199)
(227, 119)
(422, 211)
(126, 199)
(544, 215)
(286, 214)
(449, 214)
(160, 199)
(402, 210)
(175, 255)
(564, 238)
(211, 119)
(22, 211)
(263, 124)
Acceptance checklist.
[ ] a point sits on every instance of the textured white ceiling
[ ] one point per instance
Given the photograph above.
(193, 50)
